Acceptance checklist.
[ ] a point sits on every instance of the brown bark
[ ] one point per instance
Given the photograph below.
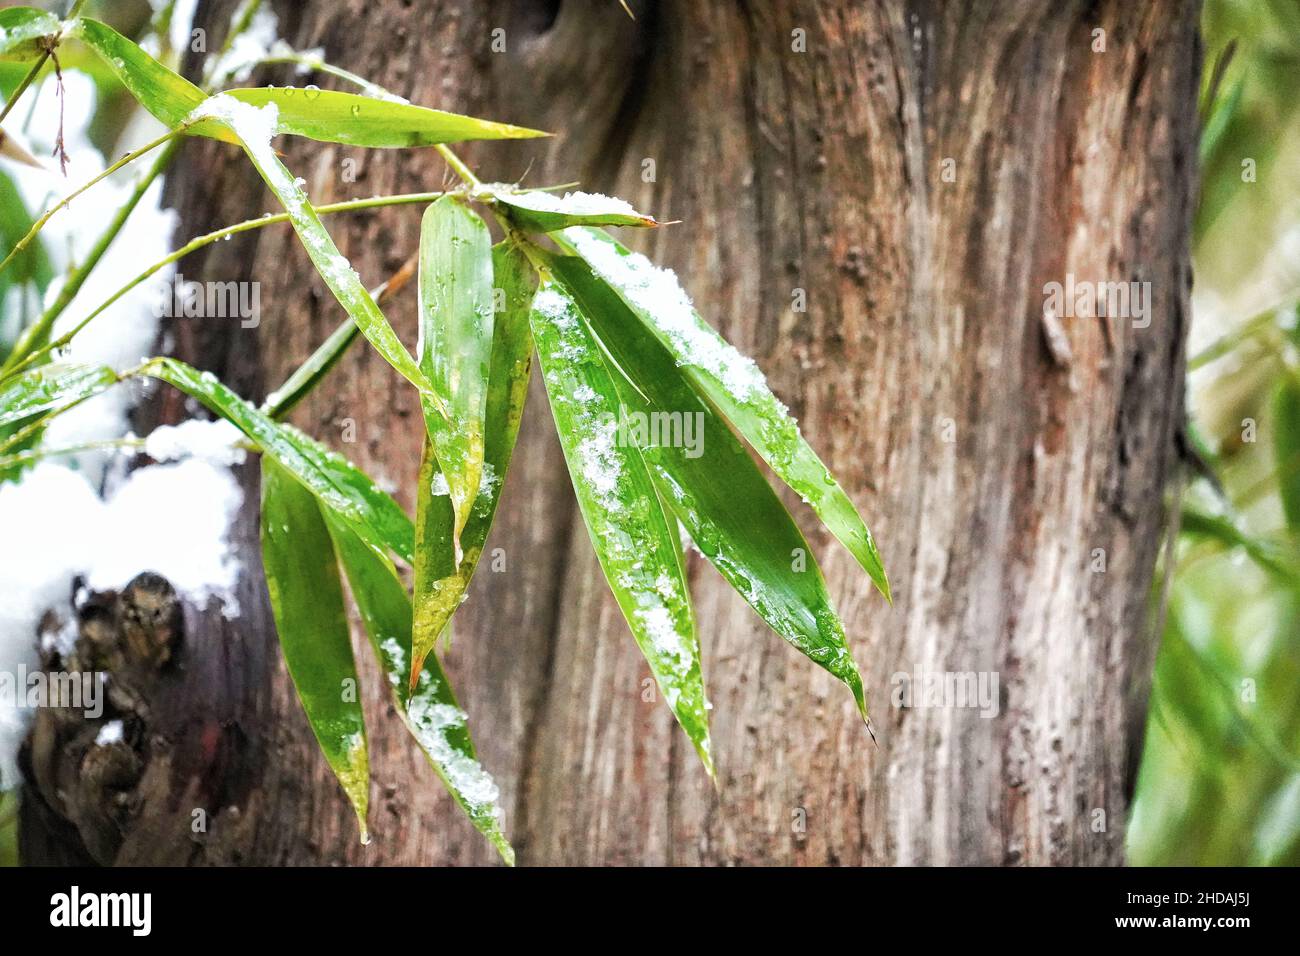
(821, 171)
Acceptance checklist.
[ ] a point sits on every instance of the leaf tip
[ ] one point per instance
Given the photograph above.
(883, 587)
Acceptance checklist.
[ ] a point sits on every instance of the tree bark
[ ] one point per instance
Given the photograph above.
(920, 171)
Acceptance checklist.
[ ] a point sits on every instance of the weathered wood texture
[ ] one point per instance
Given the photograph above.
(990, 463)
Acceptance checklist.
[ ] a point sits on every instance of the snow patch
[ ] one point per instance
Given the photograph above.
(218, 442)
(172, 519)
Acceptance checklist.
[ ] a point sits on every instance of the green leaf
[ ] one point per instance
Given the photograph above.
(21, 31)
(1267, 554)
(431, 713)
(336, 117)
(167, 95)
(310, 374)
(716, 490)
(440, 585)
(455, 346)
(302, 578)
(337, 484)
(1286, 445)
(324, 115)
(254, 128)
(639, 550)
(732, 383)
(51, 388)
(536, 211)
(33, 263)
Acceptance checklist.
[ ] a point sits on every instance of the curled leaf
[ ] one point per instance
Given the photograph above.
(537, 211)
(440, 584)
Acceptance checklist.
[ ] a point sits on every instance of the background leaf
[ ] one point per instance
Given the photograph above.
(22, 29)
(639, 550)
(1286, 445)
(732, 383)
(302, 579)
(50, 388)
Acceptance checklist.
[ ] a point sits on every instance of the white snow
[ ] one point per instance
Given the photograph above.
(658, 292)
(216, 441)
(248, 49)
(110, 733)
(432, 722)
(574, 204)
(172, 519)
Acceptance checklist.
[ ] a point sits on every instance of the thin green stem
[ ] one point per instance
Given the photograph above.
(29, 344)
(320, 66)
(308, 375)
(39, 224)
(459, 168)
(22, 87)
(1231, 340)
(205, 240)
(240, 23)
(23, 458)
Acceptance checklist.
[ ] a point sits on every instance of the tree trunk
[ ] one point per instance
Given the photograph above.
(920, 171)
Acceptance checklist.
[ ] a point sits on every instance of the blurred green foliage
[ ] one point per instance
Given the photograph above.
(1220, 777)
(8, 829)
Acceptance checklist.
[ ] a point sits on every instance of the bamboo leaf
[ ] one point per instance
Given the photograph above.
(431, 713)
(337, 484)
(21, 31)
(440, 585)
(716, 490)
(254, 128)
(167, 95)
(307, 601)
(455, 346)
(1267, 554)
(51, 388)
(330, 116)
(536, 211)
(324, 115)
(33, 263)
(732, 383)
(437, 591)
(638, 549)
(1286, 445)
